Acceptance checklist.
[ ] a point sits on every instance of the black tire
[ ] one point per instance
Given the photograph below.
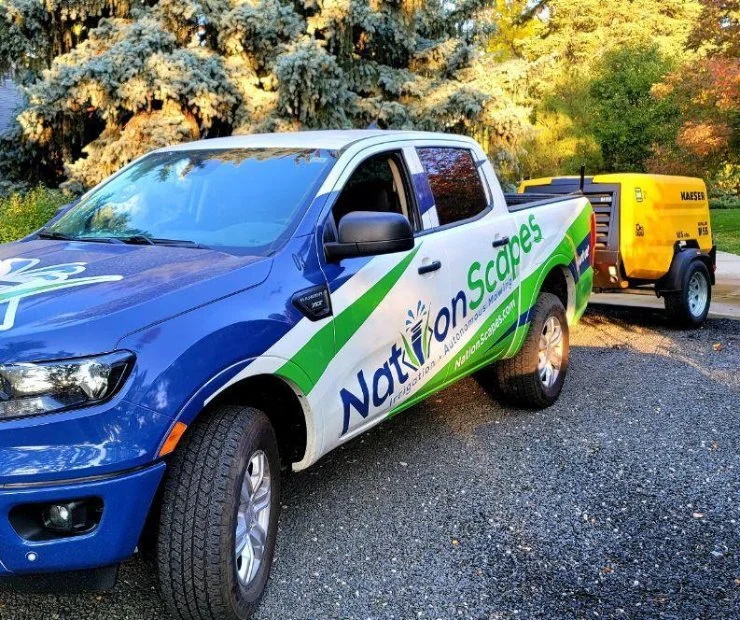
(196, 560)
(517, 380)
(681, 307)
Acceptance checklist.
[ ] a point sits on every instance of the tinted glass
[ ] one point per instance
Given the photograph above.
(455, 182)
(248, 199)
(370, 188)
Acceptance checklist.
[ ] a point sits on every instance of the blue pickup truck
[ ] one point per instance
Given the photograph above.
(219, 312)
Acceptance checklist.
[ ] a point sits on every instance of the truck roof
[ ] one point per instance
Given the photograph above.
(335, 139)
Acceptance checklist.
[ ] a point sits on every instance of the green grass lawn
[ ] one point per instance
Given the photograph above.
(726, 229)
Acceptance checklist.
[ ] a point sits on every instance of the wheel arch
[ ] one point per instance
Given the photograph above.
(557, 278)
(261, 385)
(281, 401)
(278, 397)
(673, 280)
(560, 282)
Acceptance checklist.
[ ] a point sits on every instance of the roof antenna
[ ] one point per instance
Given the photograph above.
(378, 123)
(583, 177)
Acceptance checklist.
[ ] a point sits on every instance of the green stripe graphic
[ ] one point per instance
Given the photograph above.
(314, 357)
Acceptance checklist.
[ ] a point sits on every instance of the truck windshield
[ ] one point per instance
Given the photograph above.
(241, 199)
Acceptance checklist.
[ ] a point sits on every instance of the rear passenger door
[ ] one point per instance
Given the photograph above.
(474, 225)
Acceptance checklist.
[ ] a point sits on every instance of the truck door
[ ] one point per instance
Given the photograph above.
(474, 225)
(383, 305)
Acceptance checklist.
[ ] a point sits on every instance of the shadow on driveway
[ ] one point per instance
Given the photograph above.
(619, 501)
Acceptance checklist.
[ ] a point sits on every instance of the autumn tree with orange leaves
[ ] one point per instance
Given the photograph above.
(707, 94)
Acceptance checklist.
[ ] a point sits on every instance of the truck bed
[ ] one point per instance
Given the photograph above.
(519, 202)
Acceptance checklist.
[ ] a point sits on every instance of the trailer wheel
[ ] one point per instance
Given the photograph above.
(219, 517)
(690, 306)
(534, 377)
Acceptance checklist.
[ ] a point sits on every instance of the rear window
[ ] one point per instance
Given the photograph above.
(455, 182)
(236, 199)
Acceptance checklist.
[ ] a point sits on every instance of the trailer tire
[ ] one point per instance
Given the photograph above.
(212, 489)
(519, 380)
(689, 307)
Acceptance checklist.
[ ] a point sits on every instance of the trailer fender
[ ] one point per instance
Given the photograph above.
(672, 282)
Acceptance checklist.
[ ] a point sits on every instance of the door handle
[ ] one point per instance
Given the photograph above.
(433, 266)
(501, 242)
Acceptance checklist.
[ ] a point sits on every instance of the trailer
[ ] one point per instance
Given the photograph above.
(653, 236)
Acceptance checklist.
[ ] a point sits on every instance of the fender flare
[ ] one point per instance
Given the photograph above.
(556, 261)
(239, 371)
(672, 282)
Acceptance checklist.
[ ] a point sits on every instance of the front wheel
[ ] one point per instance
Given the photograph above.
(219, 517)
(690, 306)
(534, 377)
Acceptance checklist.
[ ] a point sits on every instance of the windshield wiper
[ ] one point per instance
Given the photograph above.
(131, 239)
(53, 234)
(144, 240)
(136, 240)
(60, 236)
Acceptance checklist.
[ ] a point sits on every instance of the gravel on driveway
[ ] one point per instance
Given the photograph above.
(621, 501)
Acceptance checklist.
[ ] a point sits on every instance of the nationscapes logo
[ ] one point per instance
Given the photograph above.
(418, 337)
(411, 361)
(20, 278)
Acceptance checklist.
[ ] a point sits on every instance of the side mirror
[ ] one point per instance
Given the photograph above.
(367, 233)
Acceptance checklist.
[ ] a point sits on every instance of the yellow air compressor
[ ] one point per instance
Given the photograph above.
(652, 234)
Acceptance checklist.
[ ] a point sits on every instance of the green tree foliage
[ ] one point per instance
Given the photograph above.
(22, 213)
(544, 85)
(627, 120)
(571, 47)
(578, 32)
(706, 141)
(107, 80)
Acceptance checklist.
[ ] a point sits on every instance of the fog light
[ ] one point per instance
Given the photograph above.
(67, 517)
(60, 517)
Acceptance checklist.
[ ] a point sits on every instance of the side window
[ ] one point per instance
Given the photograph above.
(379, 184)
(455, 182)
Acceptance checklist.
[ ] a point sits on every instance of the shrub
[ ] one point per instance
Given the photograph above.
(726, 201)
(22, 213)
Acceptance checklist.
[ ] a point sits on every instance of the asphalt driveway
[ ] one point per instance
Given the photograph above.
(621, 501)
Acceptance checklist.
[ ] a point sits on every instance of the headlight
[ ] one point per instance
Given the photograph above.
(31, 389)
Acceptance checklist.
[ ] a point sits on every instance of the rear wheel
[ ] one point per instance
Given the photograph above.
(534, 377)
(219, 517)
(690, 306)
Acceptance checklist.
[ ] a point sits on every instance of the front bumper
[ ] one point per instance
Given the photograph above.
(126, 499)
(107, 453)
(106, 439)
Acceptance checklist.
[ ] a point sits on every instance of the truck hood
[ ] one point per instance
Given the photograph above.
(67, 299)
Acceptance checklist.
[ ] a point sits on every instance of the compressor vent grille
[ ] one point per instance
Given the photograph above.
(603, 205)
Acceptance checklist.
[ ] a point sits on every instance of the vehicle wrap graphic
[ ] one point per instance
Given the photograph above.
(486, 319)
(20, 278)
(342, 366)
(418, 337)
(433, 341)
